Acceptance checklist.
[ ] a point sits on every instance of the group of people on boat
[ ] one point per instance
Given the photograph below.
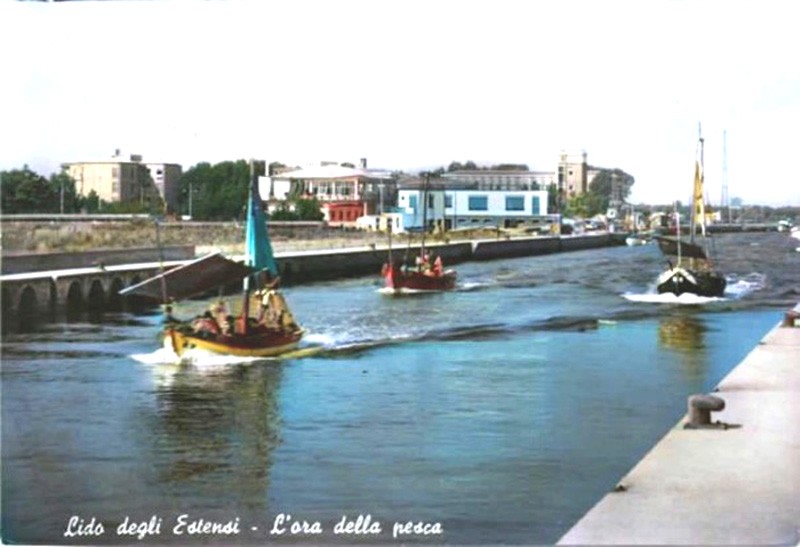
(272, 315)
(217, 320)
(425, 266)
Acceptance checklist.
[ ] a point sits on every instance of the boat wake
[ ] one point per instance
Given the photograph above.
(669, 298)
(473, 286)
(736, 288)
(195, 357)
(739, 287)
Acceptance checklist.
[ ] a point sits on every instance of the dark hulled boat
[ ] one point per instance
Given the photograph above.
(693, 271)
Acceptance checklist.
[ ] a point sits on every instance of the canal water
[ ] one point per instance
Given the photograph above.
(499, 413)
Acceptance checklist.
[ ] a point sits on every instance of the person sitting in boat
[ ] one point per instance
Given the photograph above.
(424, 263)
(228, 326)
(276, 314)
(220, 312)
(268, 281)
(169, 319)
(205, 324)
(438, 267)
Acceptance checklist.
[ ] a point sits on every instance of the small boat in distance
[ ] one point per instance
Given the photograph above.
(693, 271)
(264, 327)
(634, 240)
(426, 274)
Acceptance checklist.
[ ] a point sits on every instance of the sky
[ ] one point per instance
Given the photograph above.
(413, 84)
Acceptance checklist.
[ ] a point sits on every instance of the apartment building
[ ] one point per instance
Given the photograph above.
(166, 177)
(127, 180)
(573, 174)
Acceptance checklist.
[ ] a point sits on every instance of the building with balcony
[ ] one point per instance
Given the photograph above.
(345, 193)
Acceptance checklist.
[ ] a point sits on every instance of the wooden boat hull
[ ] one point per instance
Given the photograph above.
(682, 280)
(269, 343)
(399, 281)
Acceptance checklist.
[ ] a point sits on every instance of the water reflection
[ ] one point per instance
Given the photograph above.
(685, 336)
(215, 430)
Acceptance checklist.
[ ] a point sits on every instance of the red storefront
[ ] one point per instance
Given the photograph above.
(343, 212)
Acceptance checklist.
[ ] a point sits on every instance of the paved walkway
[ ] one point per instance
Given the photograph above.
(736, 486)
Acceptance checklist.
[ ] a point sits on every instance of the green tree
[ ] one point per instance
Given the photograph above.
(603, 184)
(62, 185)
(585, 205)
(284, 214)
(457, 166)
(554, 203)
(309, 209)
(219, 191)
(510, 167)
(92, 203)
(24, 191)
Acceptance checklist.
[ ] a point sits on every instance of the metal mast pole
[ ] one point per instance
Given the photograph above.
(725, 199)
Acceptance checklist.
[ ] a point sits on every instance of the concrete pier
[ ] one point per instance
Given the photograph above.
(735, 481)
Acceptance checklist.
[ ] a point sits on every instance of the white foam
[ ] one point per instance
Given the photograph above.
(161, 356)
(739, 287)
(670, 298)
(472, 286)
(194, 356)
(320, 339)
(404, 290)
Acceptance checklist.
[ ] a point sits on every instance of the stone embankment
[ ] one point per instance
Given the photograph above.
(40, 236)
(93, 278)
(730, 477)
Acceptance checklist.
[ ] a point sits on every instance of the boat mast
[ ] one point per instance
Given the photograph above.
(700, 205)
(696, 185)
(725, 198)
(424, 212)
(678, 231)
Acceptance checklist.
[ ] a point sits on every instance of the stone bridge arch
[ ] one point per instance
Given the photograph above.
(29, 297)
(114, 300)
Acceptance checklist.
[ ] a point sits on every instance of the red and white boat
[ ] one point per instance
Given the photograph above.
(425, 275)
(400, 278)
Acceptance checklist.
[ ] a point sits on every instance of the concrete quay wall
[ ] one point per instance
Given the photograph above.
(94, 279)
(14, 263)
(735, 482)
(300, 267)
(305, 266)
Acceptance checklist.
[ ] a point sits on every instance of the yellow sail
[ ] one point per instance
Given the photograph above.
(697, 196)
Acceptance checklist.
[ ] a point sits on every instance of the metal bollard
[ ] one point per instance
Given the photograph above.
(700, 408)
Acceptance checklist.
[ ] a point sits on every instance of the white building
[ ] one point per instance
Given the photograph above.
(455, 207)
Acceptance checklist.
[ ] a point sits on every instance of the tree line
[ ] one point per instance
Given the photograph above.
(25, 191)
(219, 192)
(206, 192)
